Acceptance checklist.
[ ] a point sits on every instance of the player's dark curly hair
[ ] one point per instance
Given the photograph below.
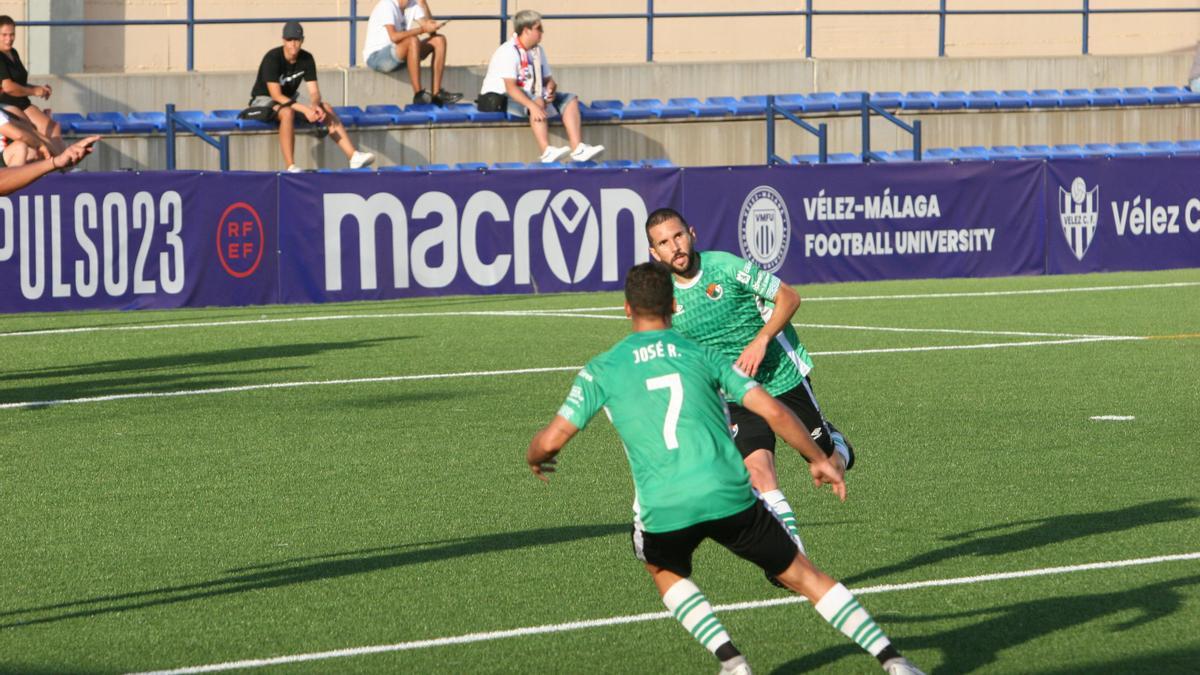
(648, 289)
(661, 216)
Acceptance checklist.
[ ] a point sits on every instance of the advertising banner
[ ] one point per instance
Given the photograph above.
(1138, 213)
(879, 221)
(392, 235)
(138, 241)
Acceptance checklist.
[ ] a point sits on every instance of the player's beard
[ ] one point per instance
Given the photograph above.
(693, 264)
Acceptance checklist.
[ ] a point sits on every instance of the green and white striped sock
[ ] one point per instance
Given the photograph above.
(842, 610)
(691, 609)
(783, 510)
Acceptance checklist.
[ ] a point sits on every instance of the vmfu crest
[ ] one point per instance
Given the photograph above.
(1079, 210)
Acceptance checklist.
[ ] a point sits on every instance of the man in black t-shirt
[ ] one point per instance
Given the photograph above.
(278, 85)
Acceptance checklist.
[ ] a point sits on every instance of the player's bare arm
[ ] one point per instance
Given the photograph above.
(546, 445)
(787, 301)
(785, 423)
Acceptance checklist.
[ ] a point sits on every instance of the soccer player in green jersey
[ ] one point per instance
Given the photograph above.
(662, 392)
(744, 312)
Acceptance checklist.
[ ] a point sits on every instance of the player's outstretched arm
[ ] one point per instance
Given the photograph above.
(16, 177)
(546, 444)
(785, 423)
(786, 302)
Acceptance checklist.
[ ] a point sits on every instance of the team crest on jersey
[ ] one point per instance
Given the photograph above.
(1078, 211)
(714, 291)
(764, 228)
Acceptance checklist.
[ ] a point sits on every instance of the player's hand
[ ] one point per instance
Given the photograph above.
(752, 357)
(74, 154)
(543, 469)
(825, 473)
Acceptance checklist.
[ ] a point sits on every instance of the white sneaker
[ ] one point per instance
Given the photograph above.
(294, 169)
(360, 159)
(553, 153)
(583, 152)
(901, 666)
(741, 669)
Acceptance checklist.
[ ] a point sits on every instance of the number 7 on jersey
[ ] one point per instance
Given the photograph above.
(674, 384)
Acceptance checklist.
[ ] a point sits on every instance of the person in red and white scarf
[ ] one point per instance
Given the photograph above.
(520, 82)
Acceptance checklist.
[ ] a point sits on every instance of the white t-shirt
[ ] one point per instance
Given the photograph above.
(512, 62)
(402, 14)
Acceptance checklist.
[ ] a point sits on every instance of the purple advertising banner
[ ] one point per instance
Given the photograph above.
(1122, 214)
(880, 221)
(392, 235)
(136, 241)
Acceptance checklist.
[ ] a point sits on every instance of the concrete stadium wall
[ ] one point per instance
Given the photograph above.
(360, 86)
(687, 143)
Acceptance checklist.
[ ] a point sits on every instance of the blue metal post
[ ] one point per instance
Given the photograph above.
(916, 140)
(866, 127)
(1086, 17)
(942, 28)
(808, 29)
(649, 31)
(191, 35)
(503, 21)
(353, 32)
(170, 137)
(223, 151)
(770, 129)
(823, 143)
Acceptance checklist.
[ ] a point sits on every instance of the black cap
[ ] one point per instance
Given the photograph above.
(293, 31)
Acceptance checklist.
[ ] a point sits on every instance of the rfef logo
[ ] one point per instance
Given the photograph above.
(764, 228)
(1078, 211)
(240, 240)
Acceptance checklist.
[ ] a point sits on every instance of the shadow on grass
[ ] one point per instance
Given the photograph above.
(1038, 532)
(968, 648)
(304, 570)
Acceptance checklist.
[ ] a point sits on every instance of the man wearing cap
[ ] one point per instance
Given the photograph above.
(404, 32)
(278, 85)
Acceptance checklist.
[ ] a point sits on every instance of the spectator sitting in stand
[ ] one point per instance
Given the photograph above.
(278, 85)
(519, 80)
(394, 38)
(15, 90)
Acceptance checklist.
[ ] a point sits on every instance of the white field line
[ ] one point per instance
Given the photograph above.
(655, 616)
(518, 371)
(562, 312)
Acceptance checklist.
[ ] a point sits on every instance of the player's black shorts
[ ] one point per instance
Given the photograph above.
(751, 432)
(754, 534)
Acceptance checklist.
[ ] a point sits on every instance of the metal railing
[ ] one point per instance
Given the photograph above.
(221, 143)
(821, 131)
(867, 109)
(809, 13)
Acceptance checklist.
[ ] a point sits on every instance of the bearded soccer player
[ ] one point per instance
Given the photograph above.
(663, 394)
(744, 312)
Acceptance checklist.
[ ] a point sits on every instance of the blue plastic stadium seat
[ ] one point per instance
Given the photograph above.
(471, 166)
(1189, 147)
(850, 100)
(508, 165)
(660, 109)
(1152, 96)
(699, 108)
(122, 124)
(622, 111)
(1130, 150)
(87, 126)
(918, 100)
(973, 153)
(1103, 96)
(806, 159)
(1094, 149)
(590, 114)
(67, 120)
(476, 115)
(433, 167)
(735, 106)
(438, 113)
(844, 157)
(983, 99)
(619, 164)
(397, 167)
(210, 122)
(590, 164)
(1065, 98)
(903, 156)
(1036, 151)
(756, 105)
(1066, 151)
(658, 163)
(1040, 98)
(1161, 148)
(1130, 96)
(941, 154)
(1004, 152)
(1185, 95)
(349, 114)
(951, 100)
(792, 103)
(1011, 99)
(887, 99)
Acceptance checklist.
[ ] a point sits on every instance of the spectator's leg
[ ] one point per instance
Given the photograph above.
(287, 135)
(436, 44)
(408, 50)
(16, 153)
(570, 119)
(541, 132)
(337, 131)
(48, 128)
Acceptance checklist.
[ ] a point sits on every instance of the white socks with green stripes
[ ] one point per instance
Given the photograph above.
(779, 504)
(691, 608)
(842, 610)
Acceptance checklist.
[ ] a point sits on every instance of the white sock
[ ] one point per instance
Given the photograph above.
(839, 446)
(842, 611)
(691, 608)
(779, 505)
